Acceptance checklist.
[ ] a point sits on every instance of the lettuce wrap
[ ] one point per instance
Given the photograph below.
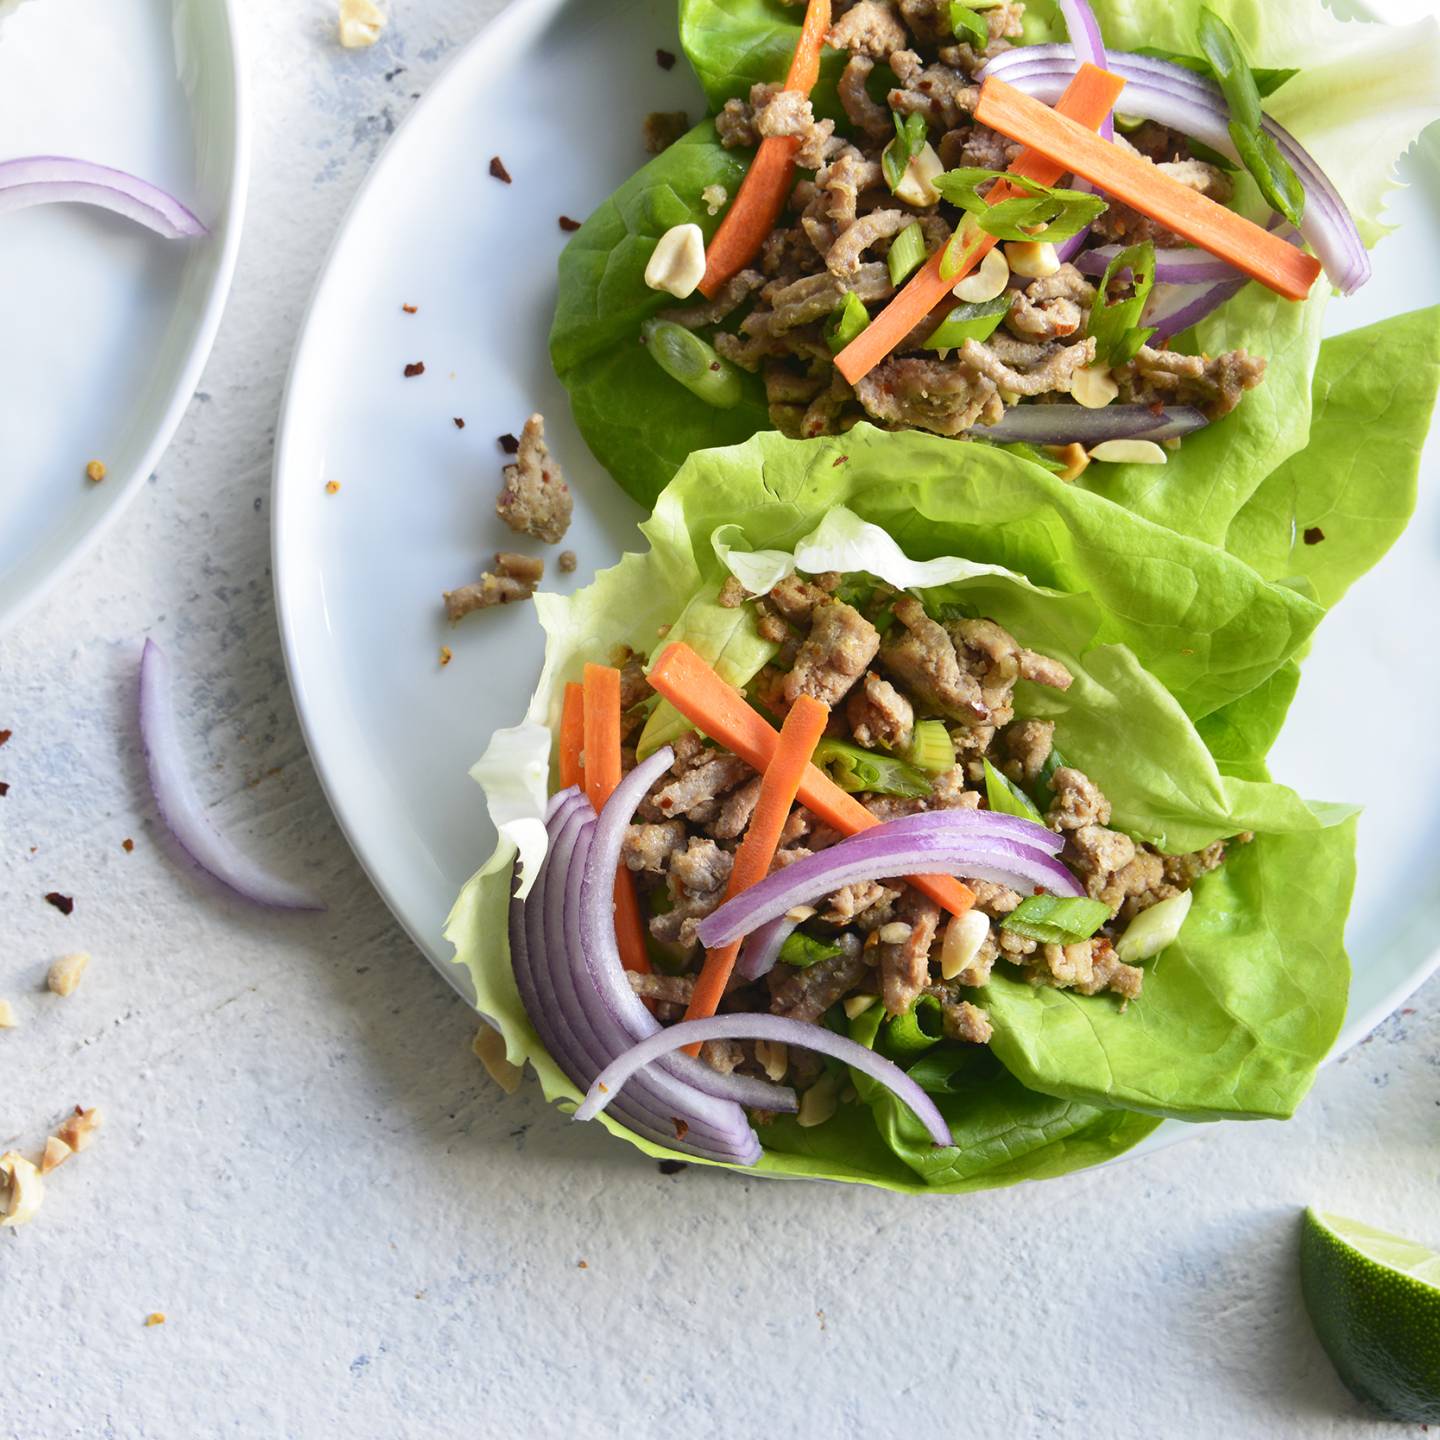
(1363, 94)
(1169, 641)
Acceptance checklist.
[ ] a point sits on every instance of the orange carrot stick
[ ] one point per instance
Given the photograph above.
(572, 737)
(1263, 256)
(1088, 99)
(799, 736)
(601, 693)
(704, 699)
(766, 185)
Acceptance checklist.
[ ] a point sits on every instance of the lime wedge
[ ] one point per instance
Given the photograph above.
(1374, 1300)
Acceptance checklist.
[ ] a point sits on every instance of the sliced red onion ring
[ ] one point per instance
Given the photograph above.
(602, 954)
(774, 1028)
(47, 179)
(986, 822)
(876, 855)
(1189, 305)
(1062, 424)
(1176, 265)
(762, 947)
(1192, 104)
(1084, 32)
(180, 806)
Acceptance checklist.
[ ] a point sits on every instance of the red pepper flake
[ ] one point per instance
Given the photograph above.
(582, 1264)
(459, 423)
(681, 1128)
(839, 461)
(1314, 535)
(4, 789)
(414, 369)
(566, 223)
(5, 735)
(665, 59)
(498, 170)
(509, 444)
(671, 1167)
(127, 844)
(63, 903)
(410, 309)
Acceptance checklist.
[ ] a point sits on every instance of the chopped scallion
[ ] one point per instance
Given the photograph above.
(856, 770)
(1115, 322)
(908, 1036)
(907, 253)
(1004, 797)
(1056, 919)
(846, 321)
(697, 366)
(976, 321)
(802, 950)
(931, 748)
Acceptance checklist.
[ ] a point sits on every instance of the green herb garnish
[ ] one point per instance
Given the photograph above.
(1115, 322)
(909, 141)
(965, 24)
(1056, 919)
(802, 950)
(846, 321)
(1057, 213)
(908, 1036)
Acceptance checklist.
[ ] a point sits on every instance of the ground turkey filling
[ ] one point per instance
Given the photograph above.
(881, 662)
(843, 217)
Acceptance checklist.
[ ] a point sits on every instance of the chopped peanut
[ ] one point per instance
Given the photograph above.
(95, 471)
(79, 1129)
(7, 1015)
(361, 22)
(57, 1152)
(65, 973)
(27, 1189)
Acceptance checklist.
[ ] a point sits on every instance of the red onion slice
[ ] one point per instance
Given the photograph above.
(179, 804)
(1175, 265)
(1189, 306)
(1192, 104)
(50, 179)
(1063, 424)
(875, 855)
(1084, 31)
(762, 947)
(773, 1028)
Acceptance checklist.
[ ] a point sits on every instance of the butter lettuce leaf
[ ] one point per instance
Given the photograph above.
(1159, 631)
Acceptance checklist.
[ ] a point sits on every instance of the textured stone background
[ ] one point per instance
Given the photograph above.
(349, 1229)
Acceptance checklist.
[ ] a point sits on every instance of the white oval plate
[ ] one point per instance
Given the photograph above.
(105, 327)
(359, 573)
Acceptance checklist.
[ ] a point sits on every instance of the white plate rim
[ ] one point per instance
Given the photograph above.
(521, 16)
(187, 376)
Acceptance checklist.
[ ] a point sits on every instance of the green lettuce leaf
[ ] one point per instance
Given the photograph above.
(1130, 607)
(1328, 514)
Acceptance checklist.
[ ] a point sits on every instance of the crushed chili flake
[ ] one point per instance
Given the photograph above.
(410, 309)
(416, 367)
(498, 170)
(682, 1129)
(839, 460)
(332, 487)
(127, 844)
(509, 444)
(459, 423)
(4, 789)
(1314, 535)
(665, 59)
(5, 735)
(566, 223)
(155, 1317)
(63, 903)
(582, 1264)
(671, 1167)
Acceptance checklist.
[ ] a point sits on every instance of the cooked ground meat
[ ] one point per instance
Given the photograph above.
(841, 643)
(871, 27)
(921, 656)
(535, 499)
(1214, 383)
(788, 113)
(880, 716)
(965, 1022)
(733, 294)
(1077, 803)
(867, 115)
(850, 902)
(650, 847)
(905, 957)
(947, 397)
(514, 578)
(1052, 308)
(699, 787)
(942, 95)
(1028, 744)
(671, 989)
(808, 993)
(662, 128)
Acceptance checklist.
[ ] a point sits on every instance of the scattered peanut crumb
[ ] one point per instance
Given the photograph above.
(95, 471)
(27, 1189)
(361, 22)
(714, 197)
(489, 1045)
(155, 1317)
(332, 487)
(79, 1129)
(57, 1152)
(127, 844)
(446, 655)
(65, 973)
(410, 309)
(567, 562)
(7, 1015)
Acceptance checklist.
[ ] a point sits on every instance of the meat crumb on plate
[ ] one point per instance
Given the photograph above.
(515, 577)
(498, 170)
(535, 499)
